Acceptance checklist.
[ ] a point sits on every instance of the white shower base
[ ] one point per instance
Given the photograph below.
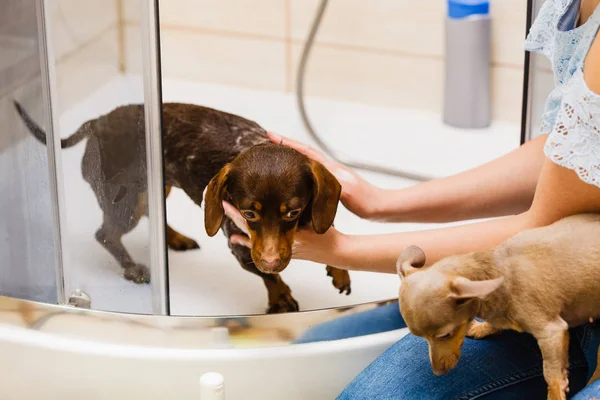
(209, 281)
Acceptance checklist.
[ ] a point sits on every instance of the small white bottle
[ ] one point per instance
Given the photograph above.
(212, 386)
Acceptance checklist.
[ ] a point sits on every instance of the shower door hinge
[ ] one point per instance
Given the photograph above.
(80, 299)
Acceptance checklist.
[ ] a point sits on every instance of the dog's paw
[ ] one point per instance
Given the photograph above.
(340, 279)
(284, 303)
(556, 394)
(137, 273)
(564, 385)
(480, 330)
(182, 243)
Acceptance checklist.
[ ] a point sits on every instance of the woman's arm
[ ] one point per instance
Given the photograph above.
(559, 193)
(501, 187)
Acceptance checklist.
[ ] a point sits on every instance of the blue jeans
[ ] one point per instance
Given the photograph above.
(506, 366)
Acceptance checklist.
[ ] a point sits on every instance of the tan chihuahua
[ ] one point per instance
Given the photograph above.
(542, 281)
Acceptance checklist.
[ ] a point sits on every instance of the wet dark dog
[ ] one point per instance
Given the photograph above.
(276, 188)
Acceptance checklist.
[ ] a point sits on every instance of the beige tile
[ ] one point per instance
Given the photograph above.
(507, 94)
(214, 58)
(76, 22)
(415, 27)
(508, 31)
(374, 78)
(258, 17)
(398, 81)
(87, 70)
(399, 25)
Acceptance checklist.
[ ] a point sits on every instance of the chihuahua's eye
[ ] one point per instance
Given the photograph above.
(446, 336)
(249, 215)
(293, 214)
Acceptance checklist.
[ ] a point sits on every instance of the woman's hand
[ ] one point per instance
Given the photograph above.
(358, 195)
(327, 248)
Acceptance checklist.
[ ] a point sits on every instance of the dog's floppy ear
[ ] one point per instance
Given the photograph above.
(213, 201)
(326, 195)
(411, 260)
(463, 288)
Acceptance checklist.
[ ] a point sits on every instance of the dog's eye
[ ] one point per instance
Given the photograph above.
(446, 336)
(249, 215)
(293, 214)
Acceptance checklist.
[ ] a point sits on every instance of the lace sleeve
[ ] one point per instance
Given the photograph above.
(541, 34)
(574, 142)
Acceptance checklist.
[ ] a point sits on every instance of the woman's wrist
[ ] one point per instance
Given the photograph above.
(374, 253)
(341, 251)
(385, 205)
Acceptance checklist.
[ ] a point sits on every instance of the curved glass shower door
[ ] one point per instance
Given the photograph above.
(28, 267)
(105, 183)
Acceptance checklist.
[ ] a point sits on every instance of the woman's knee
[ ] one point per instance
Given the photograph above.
(381, 319)
(507, 365)
(400, 372)
(592, 391)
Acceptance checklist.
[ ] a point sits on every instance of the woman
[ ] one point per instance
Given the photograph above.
(551, 177)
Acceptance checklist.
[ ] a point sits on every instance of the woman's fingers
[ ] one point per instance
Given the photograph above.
(298, 146)
(240, 240)
(240, 222)
(236, 217)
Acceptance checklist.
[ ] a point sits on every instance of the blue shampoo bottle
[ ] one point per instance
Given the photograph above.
(467, 64)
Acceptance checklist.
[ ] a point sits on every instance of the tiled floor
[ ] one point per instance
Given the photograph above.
(209, 281)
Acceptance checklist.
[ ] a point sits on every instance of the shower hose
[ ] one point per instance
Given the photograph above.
(306, 120)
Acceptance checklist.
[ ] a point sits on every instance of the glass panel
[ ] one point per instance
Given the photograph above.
(28, 268)
(100, 110)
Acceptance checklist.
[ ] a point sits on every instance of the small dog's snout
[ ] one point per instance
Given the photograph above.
(272, 264)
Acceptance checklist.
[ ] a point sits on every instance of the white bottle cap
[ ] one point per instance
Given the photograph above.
(212, 386)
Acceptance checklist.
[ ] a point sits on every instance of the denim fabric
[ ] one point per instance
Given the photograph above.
(507, 366)
(381, 319)
(590, 392)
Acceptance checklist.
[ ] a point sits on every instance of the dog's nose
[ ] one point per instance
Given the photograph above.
(271, 263)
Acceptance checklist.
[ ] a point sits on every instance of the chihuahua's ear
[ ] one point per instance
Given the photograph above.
(213, 201)
(326, 196)
(411, 259)
(463, 288)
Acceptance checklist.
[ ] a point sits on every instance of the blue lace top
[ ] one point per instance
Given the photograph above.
(572, 115)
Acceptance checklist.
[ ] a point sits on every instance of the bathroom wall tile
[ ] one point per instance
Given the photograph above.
(398, 81)
(77, 22)
(508, 31)
(507, 94)
(214, 58)
(409, 26)
(257, 17)
(89, 68)
(406, 26)
(373, 78)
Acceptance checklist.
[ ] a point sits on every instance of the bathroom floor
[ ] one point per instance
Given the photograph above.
(209, 281)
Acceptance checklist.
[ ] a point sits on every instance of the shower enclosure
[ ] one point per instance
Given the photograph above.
(58, 284)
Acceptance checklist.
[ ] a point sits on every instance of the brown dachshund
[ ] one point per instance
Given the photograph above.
(276, 188)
